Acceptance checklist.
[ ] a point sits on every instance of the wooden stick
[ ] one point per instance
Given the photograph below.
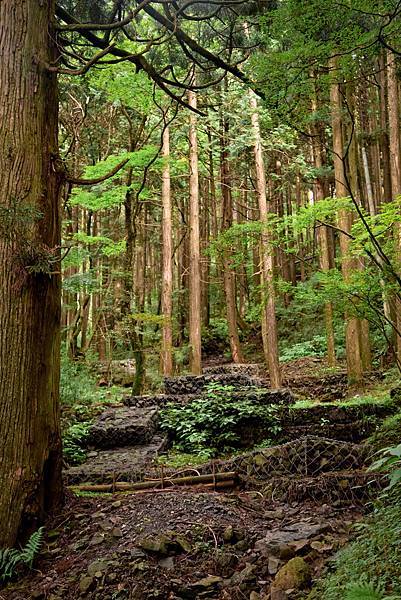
(123, 486)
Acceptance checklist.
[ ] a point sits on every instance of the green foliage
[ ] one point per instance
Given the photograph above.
(390, 462)
(73, 440)
(210, 425)
(366, 591)
(374, 555)
(77, 383)
(11, 559)
(315, 347)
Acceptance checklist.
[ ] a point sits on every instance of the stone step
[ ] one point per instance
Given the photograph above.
(123, 426)
(259, 396)
(159, 400)
(251, 369)
(129, 463)
(354, 431)
(320, 413)
(194, 384)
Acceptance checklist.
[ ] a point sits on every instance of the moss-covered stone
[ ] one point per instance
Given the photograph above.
(296, 574)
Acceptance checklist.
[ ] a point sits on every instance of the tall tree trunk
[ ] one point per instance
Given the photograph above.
(395, 170)
(167, 285)
(30, 447)
(353, 325)
(269, 322)
(324, 244)
(228, 272)
(384, 141)
(195, 316)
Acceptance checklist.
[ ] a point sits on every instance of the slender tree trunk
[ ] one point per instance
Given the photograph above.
(167, 285)
(395, 169)
(228, 272)
(30, 447)
(384, 142)
(353, 325)
(195, 291)
(269, 313)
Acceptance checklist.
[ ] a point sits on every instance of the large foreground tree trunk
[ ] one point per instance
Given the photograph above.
(30, 447)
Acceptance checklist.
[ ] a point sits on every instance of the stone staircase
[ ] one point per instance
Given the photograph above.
(124, 441)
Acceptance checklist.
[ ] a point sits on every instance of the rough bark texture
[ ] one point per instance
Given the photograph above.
(353, 325)
(194, 248)
(228, 272)
(30, 448)
(395, 167)
(269, 322)
(167, 291)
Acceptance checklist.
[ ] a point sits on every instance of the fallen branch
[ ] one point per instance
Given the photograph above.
(210, 480)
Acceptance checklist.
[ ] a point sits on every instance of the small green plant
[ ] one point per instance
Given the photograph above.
(73, 440)
(315, 347)
(366, 591)
(211, 425)
(389, 462)
(11, 558)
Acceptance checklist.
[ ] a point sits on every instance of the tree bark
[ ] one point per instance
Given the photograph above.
(228, 272)
(395, 170)
(167, 284)
(353, 325)
(30, 446)
(194, 247)
(269, 321)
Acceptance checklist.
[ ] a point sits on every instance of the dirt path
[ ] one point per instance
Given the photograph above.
(174, 545)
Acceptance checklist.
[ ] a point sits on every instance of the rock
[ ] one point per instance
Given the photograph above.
(274, 514)
(85, 584)
(116, 504)
(247, 575)
(277, 594)
(157, 544)
(226, 560)
(296, 574)
(273, 565)
(136, 553)
(167, 543)
(167, 563)
(229, 535)
(97, 539)
(207, 582)
(116, 532)
(97, 566)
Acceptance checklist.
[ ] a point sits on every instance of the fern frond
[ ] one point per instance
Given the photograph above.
(363, 591)
(9, 559)
(33, 546)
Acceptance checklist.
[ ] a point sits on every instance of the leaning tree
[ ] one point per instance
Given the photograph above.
(38, 41)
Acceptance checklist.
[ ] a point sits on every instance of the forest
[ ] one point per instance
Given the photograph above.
(200, 299)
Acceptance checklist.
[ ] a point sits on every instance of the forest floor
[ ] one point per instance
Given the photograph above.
(195, 543)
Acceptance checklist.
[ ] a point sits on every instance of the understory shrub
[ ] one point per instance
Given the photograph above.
(210, 424)
(373, 558)
(317, 346)
(74, 439)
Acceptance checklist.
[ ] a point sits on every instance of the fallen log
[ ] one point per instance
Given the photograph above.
(124, 486)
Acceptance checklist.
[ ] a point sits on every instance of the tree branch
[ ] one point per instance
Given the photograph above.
(96, 26)
(78, 181)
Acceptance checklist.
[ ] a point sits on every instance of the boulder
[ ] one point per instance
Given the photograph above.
(295, 575)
